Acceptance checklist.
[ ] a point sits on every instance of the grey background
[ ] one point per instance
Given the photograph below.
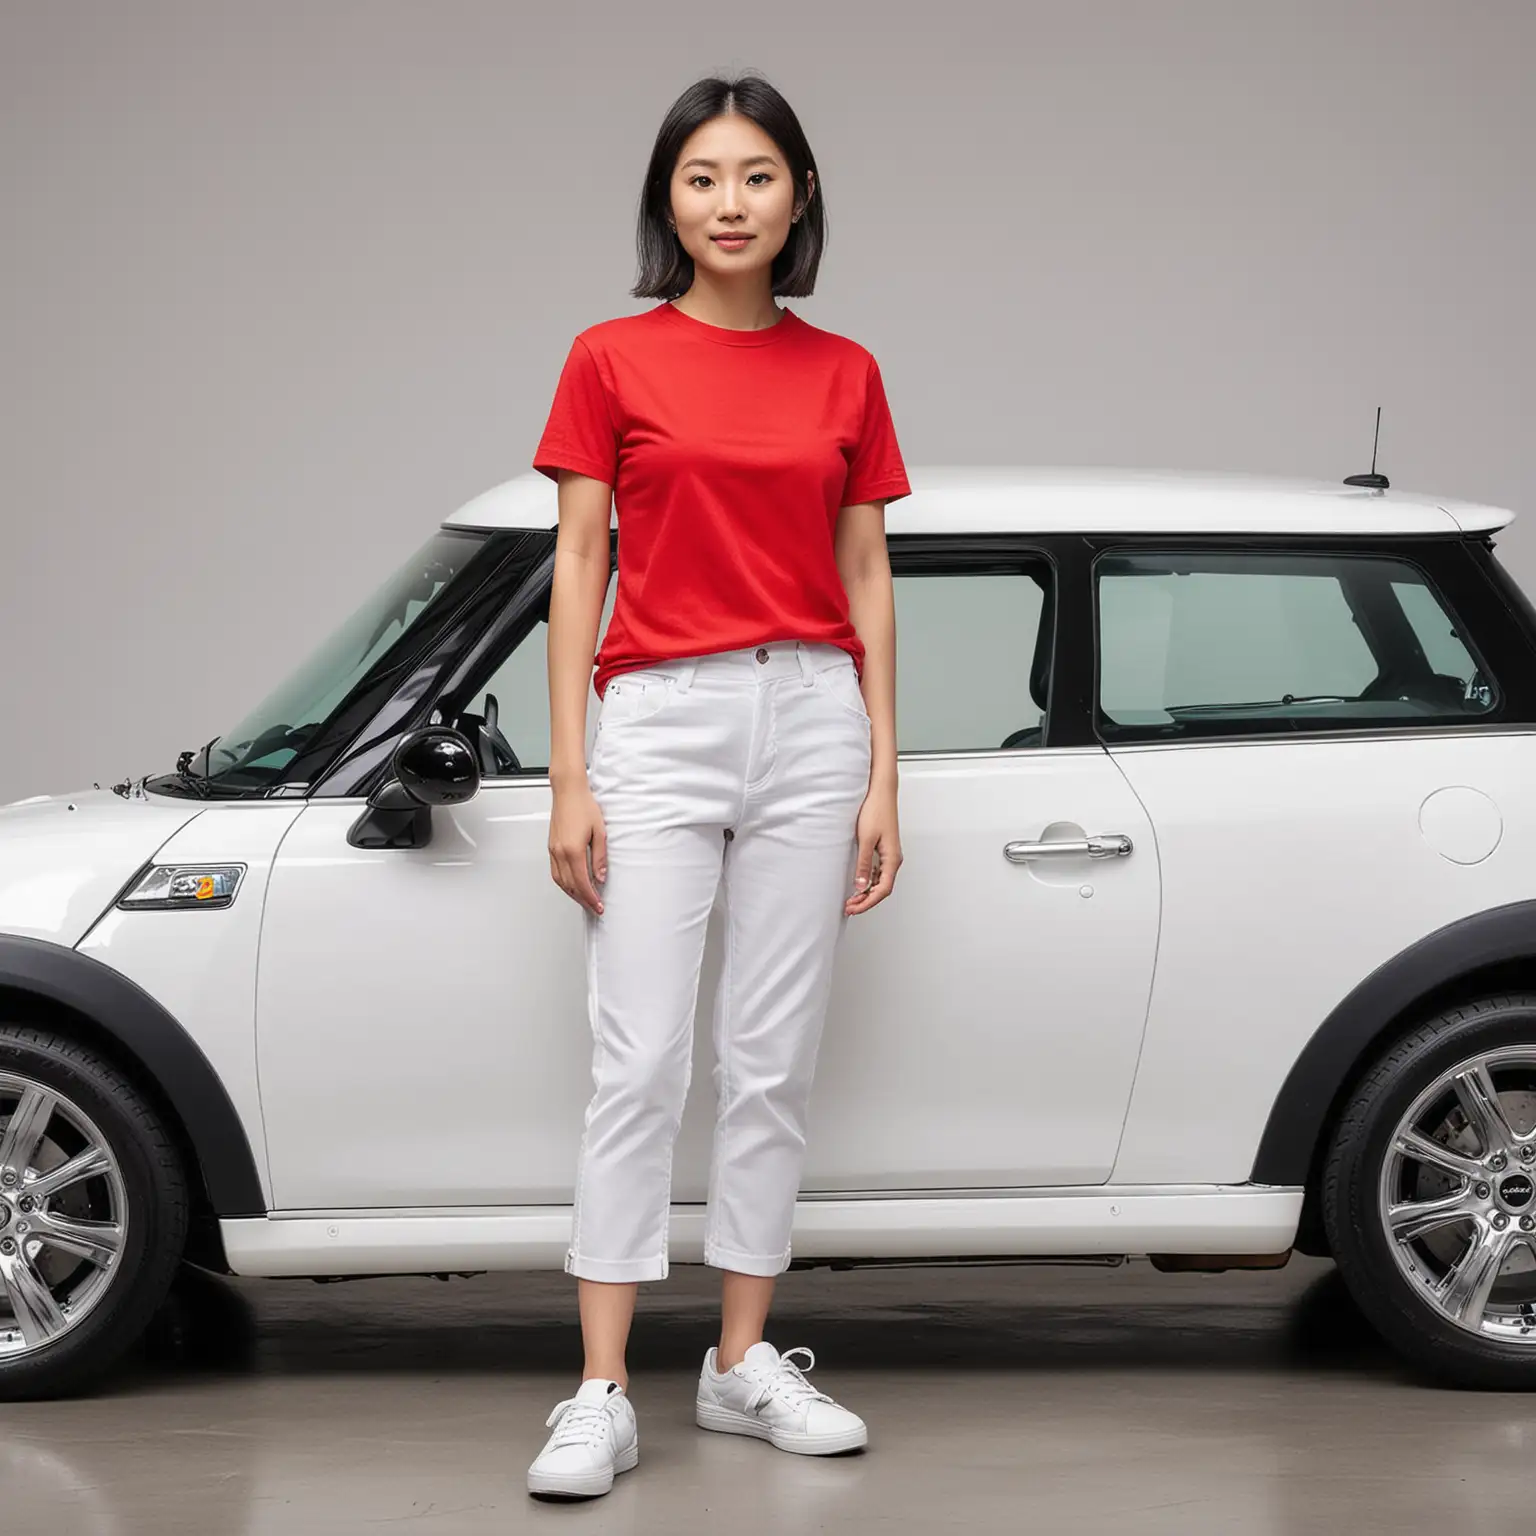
(281, 285)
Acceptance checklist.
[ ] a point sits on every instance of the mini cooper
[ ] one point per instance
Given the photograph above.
(1215, 938)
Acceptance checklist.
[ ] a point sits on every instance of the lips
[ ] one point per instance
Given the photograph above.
(736, 238)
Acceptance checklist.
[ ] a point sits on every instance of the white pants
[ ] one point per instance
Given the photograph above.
(748, 768)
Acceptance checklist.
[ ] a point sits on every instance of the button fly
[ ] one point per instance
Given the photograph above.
(762, 653)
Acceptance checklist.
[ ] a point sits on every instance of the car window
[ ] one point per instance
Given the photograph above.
(968, 676)
(1200, 644)
(967, 671)
(520, 689)
(1437, 635)
(257, 751)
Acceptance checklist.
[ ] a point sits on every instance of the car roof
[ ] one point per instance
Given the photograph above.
(1005, 499)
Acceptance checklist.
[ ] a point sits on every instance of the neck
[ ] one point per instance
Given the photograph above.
(735, 305)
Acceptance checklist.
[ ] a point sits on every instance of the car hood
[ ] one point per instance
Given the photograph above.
(64, 858)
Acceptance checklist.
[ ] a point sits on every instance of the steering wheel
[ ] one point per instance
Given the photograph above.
(1030, 736)
(493, 749)
(500, 747)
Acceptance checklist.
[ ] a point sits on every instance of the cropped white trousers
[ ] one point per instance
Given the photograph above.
(743, 770)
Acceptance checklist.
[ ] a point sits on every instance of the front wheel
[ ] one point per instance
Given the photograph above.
(93, 1213)
(1429, 1194)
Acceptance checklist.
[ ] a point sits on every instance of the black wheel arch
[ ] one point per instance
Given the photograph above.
(1487, 952)
(47, 982)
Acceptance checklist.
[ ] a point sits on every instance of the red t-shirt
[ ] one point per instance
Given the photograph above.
(729, 453)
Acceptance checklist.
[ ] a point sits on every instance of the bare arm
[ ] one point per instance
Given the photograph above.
(865, 566)
(575, 608)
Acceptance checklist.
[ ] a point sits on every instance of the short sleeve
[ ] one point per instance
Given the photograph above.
(580, 434)
(875, 470)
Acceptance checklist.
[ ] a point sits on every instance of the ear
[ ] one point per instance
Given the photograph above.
(810, 192)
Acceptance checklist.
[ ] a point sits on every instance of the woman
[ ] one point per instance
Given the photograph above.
(746, 741)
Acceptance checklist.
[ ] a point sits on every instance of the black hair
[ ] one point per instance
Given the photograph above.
(666, 269)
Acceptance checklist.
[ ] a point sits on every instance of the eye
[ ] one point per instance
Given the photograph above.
(695, 179)
(756, 174)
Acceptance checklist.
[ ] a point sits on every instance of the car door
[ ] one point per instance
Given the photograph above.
(421, 1012)
(423, 1030)
(986, 1019)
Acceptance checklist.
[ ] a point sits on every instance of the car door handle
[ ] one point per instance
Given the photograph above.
(1111, 845)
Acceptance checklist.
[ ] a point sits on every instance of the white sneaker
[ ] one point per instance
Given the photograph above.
(768, 1396)
(594, 1438)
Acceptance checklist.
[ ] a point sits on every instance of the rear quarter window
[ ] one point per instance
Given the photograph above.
(1197, 643)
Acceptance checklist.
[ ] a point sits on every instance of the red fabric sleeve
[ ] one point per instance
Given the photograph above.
(580, 433)
(876, 471)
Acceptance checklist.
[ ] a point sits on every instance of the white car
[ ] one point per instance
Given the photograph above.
(1215, 939)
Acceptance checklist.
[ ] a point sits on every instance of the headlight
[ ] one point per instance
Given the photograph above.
(170, 886)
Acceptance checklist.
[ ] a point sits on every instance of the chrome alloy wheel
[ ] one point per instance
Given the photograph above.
(63, 1215)
(1457, 1195)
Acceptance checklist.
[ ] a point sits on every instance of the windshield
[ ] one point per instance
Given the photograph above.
(258, 750)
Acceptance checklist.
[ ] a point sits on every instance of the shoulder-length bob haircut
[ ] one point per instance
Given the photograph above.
(666, 269)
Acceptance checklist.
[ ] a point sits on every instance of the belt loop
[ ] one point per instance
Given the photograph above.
(803, 656)
(685, 673)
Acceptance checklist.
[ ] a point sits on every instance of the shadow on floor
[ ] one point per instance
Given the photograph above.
(1003, 1318)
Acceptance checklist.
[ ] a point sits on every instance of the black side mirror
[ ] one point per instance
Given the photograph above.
(436, 766)
(432, 766)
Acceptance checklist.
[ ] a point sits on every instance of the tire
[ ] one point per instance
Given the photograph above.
(92, 1257)
(1424, 1218)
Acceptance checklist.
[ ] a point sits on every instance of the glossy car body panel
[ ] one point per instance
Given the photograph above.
(65, 858)
(1030, 499)
(1205, 1219)
(201, 966)
(1291, 871)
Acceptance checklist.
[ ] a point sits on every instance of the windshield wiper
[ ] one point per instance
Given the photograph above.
(195, 783)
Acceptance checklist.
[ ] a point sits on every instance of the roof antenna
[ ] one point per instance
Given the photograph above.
(1372, 481)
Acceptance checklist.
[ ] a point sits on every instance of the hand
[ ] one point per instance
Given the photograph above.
(879, 852)
(576, 824)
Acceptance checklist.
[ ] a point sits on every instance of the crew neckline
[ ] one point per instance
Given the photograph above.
(726, 335)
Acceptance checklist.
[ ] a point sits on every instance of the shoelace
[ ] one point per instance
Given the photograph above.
(787, 1382)
(579, 1423)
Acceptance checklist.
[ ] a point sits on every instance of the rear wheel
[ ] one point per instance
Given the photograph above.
(93, 1213)
(1430, 1194)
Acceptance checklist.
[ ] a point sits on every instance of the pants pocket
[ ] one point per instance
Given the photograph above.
(631, 698)
(841, 685)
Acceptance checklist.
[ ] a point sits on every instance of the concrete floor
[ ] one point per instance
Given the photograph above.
(1071, 1401)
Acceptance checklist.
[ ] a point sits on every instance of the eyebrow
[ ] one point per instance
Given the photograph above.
(714, 165)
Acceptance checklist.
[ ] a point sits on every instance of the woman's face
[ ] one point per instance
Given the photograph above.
(732, 197)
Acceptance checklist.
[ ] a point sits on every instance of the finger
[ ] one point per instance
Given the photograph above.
(600, 851)
(881, 888)
(863, 870)
(884, 880)
(581, 880)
